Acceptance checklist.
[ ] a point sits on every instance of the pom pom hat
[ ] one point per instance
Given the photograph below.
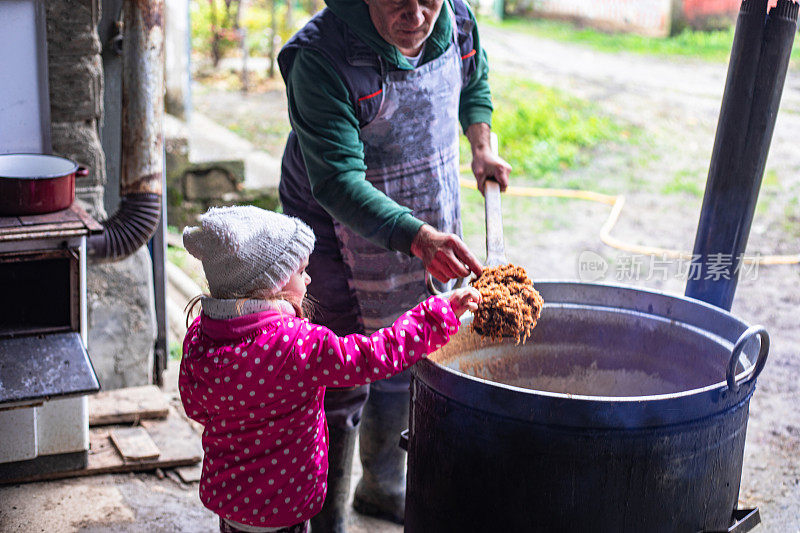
(244, 248)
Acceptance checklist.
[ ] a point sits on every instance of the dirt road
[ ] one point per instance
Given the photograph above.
(676, 104)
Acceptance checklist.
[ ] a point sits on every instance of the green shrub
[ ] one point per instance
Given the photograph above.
(206, 16)
(256, 18)
(543, 131)
(686, 182)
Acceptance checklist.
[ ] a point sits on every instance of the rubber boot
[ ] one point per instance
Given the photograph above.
(381, 492)
(333, 516)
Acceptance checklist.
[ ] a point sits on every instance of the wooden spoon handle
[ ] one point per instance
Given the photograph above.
(495, 246)
(495, 249)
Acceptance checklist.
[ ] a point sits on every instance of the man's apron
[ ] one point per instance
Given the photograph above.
(411, 154)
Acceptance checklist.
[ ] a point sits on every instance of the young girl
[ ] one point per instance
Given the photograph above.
(254, 370)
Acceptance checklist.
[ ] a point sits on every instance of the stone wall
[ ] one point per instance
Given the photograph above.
(75, 76)
(122, 326)
(193, 187)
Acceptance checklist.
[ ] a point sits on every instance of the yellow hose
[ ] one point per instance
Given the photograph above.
(617, 202)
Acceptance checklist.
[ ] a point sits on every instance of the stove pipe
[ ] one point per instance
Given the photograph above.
(756, 74)
(142, 135)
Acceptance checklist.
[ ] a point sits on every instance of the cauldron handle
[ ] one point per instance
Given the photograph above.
(404, 439)
(736, 353)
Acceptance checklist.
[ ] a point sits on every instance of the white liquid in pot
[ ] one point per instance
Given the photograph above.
(593, 381)
(33, 166)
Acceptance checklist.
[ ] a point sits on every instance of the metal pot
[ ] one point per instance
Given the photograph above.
(625, 411)
(32, 184)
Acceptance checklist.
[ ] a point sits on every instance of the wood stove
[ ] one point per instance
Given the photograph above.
(45, 371)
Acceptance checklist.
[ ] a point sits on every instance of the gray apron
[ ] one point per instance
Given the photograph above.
(411, 154)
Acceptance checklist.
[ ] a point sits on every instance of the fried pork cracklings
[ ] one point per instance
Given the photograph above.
(510, 306)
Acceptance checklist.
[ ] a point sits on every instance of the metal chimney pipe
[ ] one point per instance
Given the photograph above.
(142, 134)
(756, 73)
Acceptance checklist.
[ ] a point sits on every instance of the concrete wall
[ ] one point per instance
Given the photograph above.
(655, 18)
(708, 14)
(705, 7)
(121, 308)
(176, 58)
(647, 17)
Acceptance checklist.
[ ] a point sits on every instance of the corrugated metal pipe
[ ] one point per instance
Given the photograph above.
(142, 134)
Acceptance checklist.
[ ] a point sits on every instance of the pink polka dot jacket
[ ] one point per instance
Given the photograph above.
(256, 382)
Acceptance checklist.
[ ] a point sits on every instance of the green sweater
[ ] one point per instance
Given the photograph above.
(322, 115)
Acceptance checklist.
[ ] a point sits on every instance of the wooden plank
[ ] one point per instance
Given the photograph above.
(128, 405)
(73, 217)
(56, 217)
(189, 474)
(52, 232)
(91, 224)
(134, 444)
(170, 434)
(174, 436)
(49, 227)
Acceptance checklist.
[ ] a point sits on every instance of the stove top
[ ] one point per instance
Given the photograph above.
(70, 222)
(42, 367)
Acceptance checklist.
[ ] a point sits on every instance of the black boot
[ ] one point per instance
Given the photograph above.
(382, 490)
(333, 516)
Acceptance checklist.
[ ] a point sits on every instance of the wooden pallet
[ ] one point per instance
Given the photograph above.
(176, 441)
(129, 405)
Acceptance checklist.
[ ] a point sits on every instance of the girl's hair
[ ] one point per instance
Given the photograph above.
(303, 308)
(189, 309)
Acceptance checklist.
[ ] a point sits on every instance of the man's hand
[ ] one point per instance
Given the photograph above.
(485, 163)
(444, 255)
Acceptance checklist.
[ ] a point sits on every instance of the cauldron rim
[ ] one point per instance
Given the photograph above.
(604, 411)
(586, 397)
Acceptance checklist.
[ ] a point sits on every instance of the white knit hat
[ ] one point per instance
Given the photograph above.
(244, 248)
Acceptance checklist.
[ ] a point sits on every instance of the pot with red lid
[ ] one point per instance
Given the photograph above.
(33, 184)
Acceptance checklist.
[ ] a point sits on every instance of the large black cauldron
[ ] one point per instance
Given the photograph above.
(626, 411)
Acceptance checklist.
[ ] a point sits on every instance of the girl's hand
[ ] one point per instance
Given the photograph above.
(466, 298)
